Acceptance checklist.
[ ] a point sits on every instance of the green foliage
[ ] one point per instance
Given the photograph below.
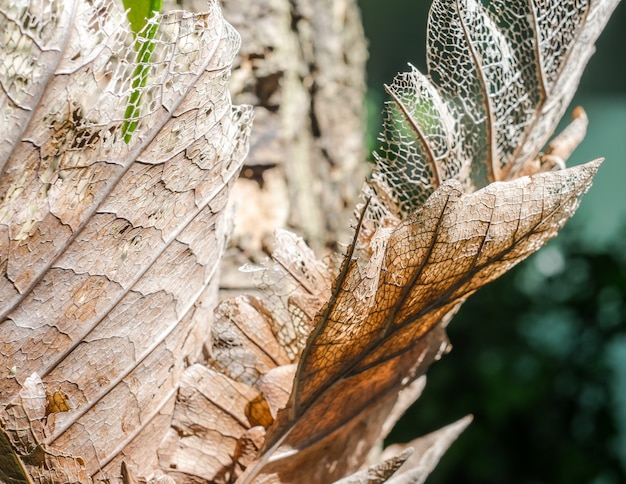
(140, 12)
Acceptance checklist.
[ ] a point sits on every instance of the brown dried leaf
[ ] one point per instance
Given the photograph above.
(109, 246)
(244, 344)
(131, 230)
(500, 76)
(375, 333)
(252, 346)
(297, 285)
(378, 473)
(211, 417)
(427, 451)
(24, 455)
(344, 450)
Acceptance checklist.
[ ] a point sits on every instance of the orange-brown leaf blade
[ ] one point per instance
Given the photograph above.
(447, 250)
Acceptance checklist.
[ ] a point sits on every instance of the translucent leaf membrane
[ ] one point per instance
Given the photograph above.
(109, 246)
(36, 31)
(417, 127)
(561, 60)
(499, 79)
(455, 67)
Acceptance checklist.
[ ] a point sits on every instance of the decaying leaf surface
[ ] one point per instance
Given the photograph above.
(385, 322)
(224, 407)
(447, 210)
(427, 451)
(109, 244)
(24, 455)
(345, 449)
(364, 345)
(499, 80)
(212, 417)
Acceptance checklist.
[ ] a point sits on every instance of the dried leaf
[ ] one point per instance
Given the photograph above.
(378, 473)
(25, 456)
(111, 228)
(210, 419)
(109, 244)
(499, 80)
(244, 345)
(427, 451)
(378, 331)
(252, 348)
(440, 255)
(344, 450)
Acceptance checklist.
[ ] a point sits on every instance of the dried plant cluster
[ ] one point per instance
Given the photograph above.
(113, 368)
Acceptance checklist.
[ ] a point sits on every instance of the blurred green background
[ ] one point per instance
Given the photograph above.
(539, 356)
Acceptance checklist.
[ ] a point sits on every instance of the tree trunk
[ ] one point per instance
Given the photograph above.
(302, 67)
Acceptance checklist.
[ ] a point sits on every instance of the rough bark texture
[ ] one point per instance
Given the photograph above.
(302, 66)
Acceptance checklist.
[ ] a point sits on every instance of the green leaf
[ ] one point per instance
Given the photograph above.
(139, 12)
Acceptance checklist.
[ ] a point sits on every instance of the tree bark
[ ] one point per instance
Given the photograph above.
(302, 67)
